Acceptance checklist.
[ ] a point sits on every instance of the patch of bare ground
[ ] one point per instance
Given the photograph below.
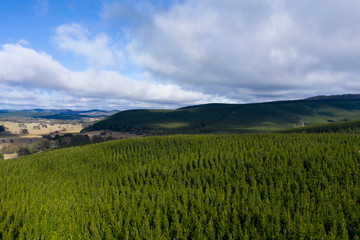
(10, 156)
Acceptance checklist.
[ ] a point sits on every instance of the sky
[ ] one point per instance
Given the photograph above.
(126, 54)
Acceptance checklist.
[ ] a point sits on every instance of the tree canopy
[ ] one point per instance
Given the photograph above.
(259, 186)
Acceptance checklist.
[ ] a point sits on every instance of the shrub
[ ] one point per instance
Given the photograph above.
(109, 138)
(23, 151)
(78, 140)
(97, 139)
(8, 149)
(25, 131)
(38, 146)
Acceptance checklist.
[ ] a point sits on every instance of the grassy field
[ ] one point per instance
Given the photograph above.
(251, 186)
(38, 128)
(232, 118)
(13, 136)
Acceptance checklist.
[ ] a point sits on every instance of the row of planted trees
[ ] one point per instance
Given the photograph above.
(263, 186)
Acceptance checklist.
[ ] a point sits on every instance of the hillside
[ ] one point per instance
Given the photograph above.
(336, 97)
(334, 127)
(258, 186)
(232, 118)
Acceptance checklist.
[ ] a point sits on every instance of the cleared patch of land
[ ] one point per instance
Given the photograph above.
(40, 128)
(14, 136)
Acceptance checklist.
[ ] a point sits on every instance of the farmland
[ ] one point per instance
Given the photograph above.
(13, 137)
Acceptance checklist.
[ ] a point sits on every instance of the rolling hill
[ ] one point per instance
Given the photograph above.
(234, 118)
(333, 127)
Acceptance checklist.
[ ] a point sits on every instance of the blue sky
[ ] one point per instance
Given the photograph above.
(113, 54)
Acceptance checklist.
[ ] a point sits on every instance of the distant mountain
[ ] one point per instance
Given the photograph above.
(64, 114)
(234, 118)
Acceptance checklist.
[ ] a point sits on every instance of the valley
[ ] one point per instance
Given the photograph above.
(252, 173)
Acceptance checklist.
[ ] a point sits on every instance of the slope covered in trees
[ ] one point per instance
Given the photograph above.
(336, 97)
(262, 186)
(232, 118)
(335, 127)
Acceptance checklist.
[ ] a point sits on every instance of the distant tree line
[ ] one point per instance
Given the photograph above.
(70, 140)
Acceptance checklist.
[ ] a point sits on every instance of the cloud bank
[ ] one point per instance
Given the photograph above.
(31, 77)
(171, 54)
(254, 50)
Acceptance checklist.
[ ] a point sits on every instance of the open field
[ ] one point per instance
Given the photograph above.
(38, 128)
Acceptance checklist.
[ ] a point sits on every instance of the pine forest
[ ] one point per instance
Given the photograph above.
(251, 186)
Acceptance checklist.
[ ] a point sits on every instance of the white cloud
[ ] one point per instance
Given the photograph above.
(29, 77)
(254, 50)
(26, 67)
(78, 40)
(194, 51)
